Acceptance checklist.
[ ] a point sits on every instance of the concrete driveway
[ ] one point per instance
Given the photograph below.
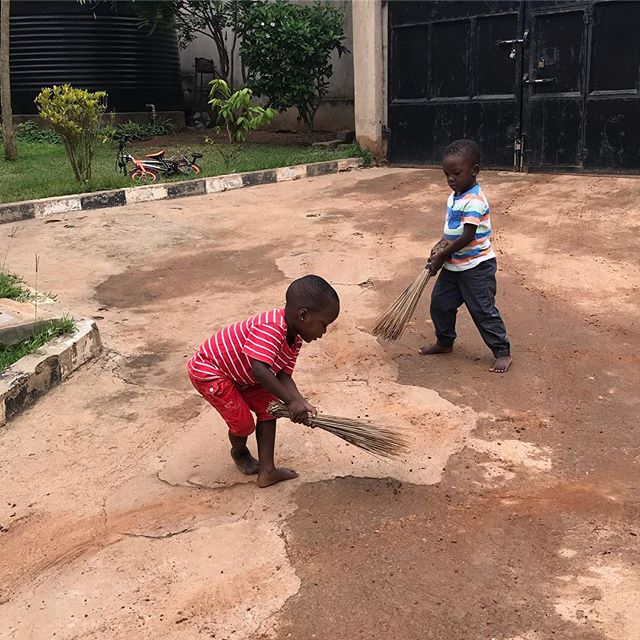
(514, 517)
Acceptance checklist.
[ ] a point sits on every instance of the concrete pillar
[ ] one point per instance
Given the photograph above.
(369, 50)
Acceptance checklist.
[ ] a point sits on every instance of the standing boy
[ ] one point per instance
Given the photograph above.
(246, 365)
(469, 273)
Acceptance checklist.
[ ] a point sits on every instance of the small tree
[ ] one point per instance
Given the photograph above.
(237, 116)
(286, 48)
(76, 116)
(7, 131)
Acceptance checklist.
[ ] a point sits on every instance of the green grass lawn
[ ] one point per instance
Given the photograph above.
(43, 170)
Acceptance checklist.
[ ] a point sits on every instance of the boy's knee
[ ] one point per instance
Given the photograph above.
(441, 305)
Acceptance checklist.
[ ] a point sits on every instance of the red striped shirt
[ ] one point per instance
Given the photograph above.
(228, 353)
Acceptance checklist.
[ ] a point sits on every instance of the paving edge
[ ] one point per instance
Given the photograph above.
(34, 374)
(16, 211)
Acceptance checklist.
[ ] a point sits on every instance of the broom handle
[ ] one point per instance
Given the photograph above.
(429, 274)
(424, 286)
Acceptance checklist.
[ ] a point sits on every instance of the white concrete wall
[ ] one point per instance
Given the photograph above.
(369, 62)
(335, 113)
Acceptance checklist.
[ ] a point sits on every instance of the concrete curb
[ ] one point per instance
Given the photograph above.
(32, 376)
(15, 211)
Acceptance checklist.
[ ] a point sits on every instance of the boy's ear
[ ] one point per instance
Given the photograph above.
(476, 169)
(303, 313)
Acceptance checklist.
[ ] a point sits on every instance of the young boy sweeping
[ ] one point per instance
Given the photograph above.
(469, 273)
(246, 365)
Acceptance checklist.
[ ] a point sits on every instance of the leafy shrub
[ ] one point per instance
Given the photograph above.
(76, 116)
(162, 127)
(129, 130)
(29, 131)
(237, 116)
(286, 48)
(136, 131)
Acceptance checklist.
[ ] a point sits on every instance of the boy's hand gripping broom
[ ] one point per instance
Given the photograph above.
(391, 324)
(380, 441)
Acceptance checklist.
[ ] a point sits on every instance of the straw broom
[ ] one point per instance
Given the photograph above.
(392, 323)
(375, 439)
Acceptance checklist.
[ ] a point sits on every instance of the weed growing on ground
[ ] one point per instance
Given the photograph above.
(11, 286)
(52, 329)
(366, 155)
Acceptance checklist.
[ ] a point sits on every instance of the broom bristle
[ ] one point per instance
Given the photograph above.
(375, 439)
(391, 324)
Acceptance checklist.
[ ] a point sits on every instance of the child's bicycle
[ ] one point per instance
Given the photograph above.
(154, 164)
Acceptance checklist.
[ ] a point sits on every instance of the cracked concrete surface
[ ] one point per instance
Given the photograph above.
(121, 514)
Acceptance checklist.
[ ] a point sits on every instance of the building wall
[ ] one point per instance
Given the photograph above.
(336, 111)
(370, 73)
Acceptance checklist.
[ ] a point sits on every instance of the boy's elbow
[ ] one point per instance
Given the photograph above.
(257, 368)
(469, 234)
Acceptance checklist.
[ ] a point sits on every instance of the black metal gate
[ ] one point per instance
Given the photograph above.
(542, 85)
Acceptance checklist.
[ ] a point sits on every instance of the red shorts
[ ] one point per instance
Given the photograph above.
(235, 404)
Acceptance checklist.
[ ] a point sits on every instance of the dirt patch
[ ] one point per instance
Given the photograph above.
(532, 553)
(199, 273)
(437, 562)
(184, 411)
(514, 516)
(569, 412)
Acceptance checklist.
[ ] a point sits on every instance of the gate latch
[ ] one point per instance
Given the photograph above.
(513, 41)
(526, 80)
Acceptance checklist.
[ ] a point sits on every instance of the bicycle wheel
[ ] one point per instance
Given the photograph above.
(146, 176)
(186, 167)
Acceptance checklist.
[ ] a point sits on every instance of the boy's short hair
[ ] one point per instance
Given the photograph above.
(464, 147)
(312, 292)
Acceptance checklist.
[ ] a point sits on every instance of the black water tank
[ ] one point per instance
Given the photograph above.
(92, 46)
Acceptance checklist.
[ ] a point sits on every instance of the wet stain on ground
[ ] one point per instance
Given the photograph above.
(183, 412)
(433, 562)
(479, 556)
(184, 275)
(153, 353)
(385, 184)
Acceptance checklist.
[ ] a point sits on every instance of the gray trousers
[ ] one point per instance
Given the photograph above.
(476, 288)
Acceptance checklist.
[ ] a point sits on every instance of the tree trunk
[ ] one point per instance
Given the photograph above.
(8, 134)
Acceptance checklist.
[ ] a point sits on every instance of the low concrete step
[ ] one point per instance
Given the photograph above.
(19, 320)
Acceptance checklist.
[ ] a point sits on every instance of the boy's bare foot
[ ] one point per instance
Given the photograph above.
(244, 460)
(267, 478)
(501, 365)
(431, 349)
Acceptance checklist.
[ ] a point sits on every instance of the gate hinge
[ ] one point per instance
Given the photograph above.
(385, 132)
(586, 16)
